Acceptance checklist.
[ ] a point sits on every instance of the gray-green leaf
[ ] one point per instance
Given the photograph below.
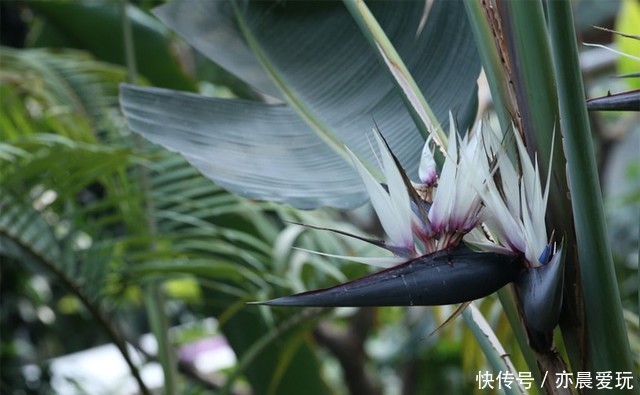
(312, 56)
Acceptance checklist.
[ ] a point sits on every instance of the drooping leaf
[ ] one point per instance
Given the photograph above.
(61, 240)
(258, 156)
(312, 56)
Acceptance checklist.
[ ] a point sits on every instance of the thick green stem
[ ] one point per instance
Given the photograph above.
(528, 54)
(607, 341)
(527, 46)
(498, 83)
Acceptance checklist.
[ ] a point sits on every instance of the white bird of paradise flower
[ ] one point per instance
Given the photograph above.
(479, 197)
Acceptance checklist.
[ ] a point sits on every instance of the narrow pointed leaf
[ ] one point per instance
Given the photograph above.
(600, 294)
(425, 119)
(444, 277)
(496, 354)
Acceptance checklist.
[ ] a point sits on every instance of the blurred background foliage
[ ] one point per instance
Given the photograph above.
(79, 192)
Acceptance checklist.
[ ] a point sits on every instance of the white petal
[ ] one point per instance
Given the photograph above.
(476, 238)
(398, 193)
(473, 172)
(506, 226)
(526, 166)
(532, 250)
(382, 204)
(510, 183)
(427, 170)
(508, 175)
(444, 197)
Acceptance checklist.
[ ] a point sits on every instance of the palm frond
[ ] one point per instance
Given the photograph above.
(63, 82)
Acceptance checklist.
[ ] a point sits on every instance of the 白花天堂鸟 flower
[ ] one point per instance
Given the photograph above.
(479, 200)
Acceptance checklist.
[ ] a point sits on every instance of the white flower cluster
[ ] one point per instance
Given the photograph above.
(480, 196)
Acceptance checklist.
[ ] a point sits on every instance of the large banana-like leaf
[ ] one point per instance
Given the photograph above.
(312, 56)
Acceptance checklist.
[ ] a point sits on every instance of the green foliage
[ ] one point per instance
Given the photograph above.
(71, 208)
(96, 27)
(628, 22)
(75, 243)
(603, 308)
(304, 126)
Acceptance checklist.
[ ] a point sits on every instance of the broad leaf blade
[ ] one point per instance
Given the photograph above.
(265, 155)
(319, 56)
(330, 77)
(209, 26)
